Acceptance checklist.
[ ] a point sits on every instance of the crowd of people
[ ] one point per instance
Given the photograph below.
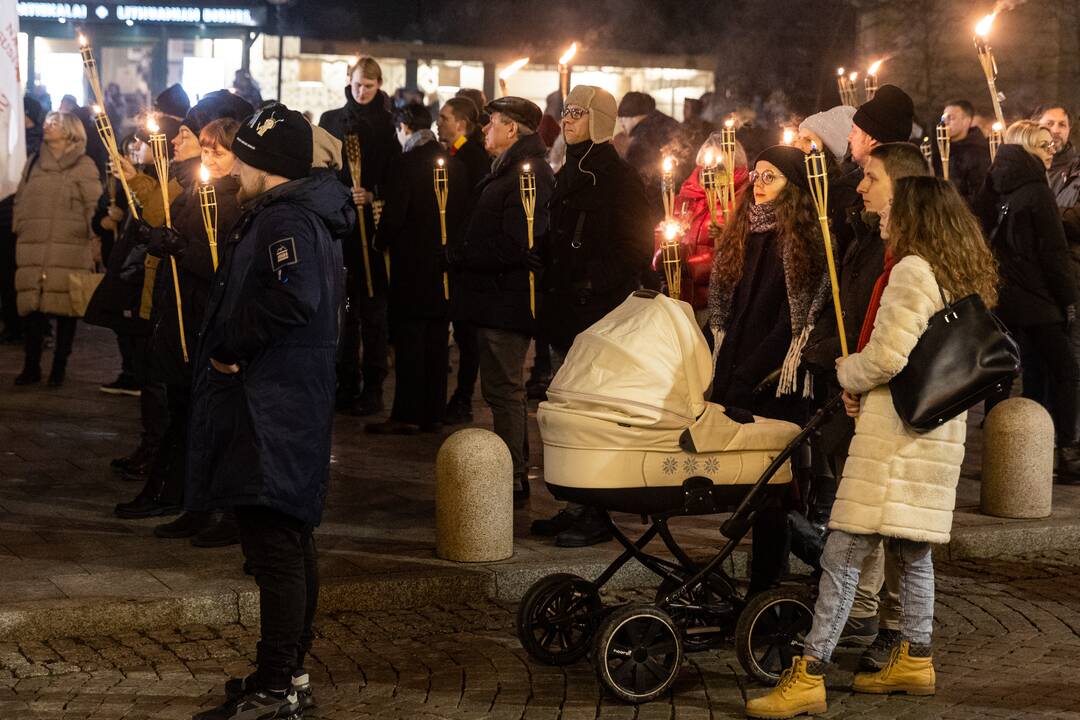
(332, 248)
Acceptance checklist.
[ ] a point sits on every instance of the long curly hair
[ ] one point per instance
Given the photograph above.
(799, 232)
(929, 219)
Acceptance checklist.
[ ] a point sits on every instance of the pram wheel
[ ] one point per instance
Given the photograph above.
(638, 653)
(557, 617)
(771, 631)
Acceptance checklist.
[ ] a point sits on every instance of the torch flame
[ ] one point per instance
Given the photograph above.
(151, 125)
(983, 26)
(96, 109)
(997, 127)
(513, 68)
(569, 54)
(526, 168)
(669, 164)
(83, 42)
(853, 76)
(671, 229)
(729, 123)
(708, 158)
(874, 68)
(440, 162)
(789, 136)
(204, 174)
(839, 72)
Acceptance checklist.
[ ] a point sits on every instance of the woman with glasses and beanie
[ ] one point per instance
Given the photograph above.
(768, 286)
(54, 205)
(1038, 292)
(898, 485)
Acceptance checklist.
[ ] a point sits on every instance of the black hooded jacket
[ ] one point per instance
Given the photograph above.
(262, 436)
(379, 153)
(969, 161)
(1020, 218)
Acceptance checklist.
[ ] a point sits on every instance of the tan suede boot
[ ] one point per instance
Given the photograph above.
(910, 670)
(801, 690)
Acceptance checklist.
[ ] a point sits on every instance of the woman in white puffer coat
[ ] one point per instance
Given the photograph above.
(898, 485)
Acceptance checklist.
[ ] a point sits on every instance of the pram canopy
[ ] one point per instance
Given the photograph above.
(627, 409)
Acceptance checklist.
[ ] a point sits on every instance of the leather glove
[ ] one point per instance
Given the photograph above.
(165, 241)
(533, 261)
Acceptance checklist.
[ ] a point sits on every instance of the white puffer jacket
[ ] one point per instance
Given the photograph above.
(897, 483)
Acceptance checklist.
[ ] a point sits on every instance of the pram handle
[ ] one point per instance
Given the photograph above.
(736, 526)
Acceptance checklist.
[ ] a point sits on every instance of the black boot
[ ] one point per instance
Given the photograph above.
(146, 504)
(187, 525)
(1068, 464)
(220, 534)
(370, 401)
(139, 455)
(31, 373)
(590, 529)
(458, 411)
(59, 369)
(29, 376)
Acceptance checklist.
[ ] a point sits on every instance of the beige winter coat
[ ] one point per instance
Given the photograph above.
(53, 209)
(897, 483)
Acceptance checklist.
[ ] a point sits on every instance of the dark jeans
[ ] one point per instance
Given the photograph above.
(468, 362)
(502, 383)
(279, 551)
(36, 326)
(363, 350)
(422, 359)
(169, 472)
(128, 345)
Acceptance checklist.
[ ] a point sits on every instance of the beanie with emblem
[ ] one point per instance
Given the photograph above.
(277, 140)
(602, 110)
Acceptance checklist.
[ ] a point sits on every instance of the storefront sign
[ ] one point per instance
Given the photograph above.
(171, 14)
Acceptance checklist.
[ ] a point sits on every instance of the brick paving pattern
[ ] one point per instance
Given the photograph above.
(1007, 632)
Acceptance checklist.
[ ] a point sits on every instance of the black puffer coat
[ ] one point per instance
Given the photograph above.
(491, 265)
(599, 244)
(262, 436)
(1021, 220)
(409, 229)
(969, 161)
(379, 153)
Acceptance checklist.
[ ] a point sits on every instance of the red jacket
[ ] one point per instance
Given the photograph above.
(692, 210)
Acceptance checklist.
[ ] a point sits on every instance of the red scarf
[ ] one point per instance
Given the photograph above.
(875, 302)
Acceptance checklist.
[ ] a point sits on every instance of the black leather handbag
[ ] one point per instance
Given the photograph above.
(964, 356)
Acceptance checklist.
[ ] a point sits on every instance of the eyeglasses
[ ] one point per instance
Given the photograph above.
(574, 112)
(767, 177)
(1047, 145)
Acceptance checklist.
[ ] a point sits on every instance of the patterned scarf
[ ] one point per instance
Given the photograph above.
(805, 307)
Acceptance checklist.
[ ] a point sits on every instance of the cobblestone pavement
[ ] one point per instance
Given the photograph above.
(1006, 636)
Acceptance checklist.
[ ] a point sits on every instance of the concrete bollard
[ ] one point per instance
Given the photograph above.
(474, 498)
(1018, 460)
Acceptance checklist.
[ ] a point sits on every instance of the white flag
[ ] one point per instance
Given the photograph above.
(12, 128)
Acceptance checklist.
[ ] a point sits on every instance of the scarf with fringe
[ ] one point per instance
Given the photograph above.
(805, 307)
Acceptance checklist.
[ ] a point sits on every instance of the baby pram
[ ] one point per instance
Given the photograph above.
(626, 429)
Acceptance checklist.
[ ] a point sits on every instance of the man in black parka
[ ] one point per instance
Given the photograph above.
(263, 391)
(493, 264)
(366, 114)
(599, 243)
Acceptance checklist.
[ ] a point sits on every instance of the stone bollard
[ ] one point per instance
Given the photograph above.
(474, 498)
(1018, 460)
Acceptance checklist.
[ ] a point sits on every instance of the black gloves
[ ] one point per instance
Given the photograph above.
(533, 261)
(162, 241)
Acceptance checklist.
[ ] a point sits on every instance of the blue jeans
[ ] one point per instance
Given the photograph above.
(841, 563)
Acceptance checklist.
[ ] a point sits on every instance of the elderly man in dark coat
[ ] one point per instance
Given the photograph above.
(263, 393)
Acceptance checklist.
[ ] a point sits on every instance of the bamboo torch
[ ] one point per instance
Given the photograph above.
(90, 68)
(670, 257)
(510, 70)
(527, 185)
(842, 86)
(944, 143)
(564, 69)
(927, 151)
(709, 184)
(108, 139)
(208, 205)
(995, 140)
(110, 180)
(989, 66)
(441, 189)
(818, 176)
(352, 156)
(727, 148)
(158, 145)
(667, 187)
(870, 82)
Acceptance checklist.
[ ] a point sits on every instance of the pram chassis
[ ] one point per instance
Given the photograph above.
(637, 648)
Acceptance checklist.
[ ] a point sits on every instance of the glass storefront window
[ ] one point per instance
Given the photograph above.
(58, 66)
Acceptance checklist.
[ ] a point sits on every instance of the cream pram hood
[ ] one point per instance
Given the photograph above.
(637, 378)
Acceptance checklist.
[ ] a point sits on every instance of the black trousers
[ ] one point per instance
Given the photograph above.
(468, 362)
(170, 466)
(36, 326)
(280, 552)
(12, 321)
(363, 349)
(421, 363)
(128, 346)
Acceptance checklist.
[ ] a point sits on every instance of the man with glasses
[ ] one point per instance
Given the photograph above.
(599, 244)
(492, 268)
(1064, 172)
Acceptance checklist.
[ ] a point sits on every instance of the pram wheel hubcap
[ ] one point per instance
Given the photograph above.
(557, 617)
(771, 631)
(638, 653)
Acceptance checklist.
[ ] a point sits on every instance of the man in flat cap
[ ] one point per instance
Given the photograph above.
(493, 264)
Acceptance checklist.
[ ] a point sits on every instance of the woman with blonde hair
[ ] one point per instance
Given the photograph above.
(1038, 291)
(54, 205)
(898, 485)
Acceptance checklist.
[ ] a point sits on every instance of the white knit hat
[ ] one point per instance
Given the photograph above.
(832, 126)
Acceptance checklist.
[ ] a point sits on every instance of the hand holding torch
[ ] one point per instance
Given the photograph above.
(159, 147)
(441, 190)
(352, 156)
(527, 186)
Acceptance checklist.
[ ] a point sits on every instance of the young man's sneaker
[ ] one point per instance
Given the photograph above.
(123, 385)
(877, 655)
(256, 705)
(236, 688)
(859, 632)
